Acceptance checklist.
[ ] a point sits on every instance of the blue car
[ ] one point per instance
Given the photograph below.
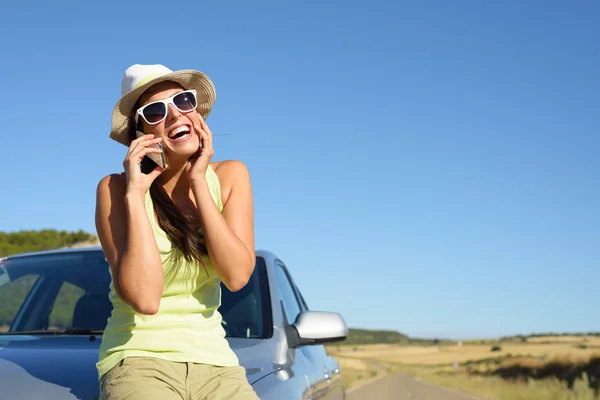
(54, 306)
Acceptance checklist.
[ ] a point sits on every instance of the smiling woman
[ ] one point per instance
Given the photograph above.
(172, 230)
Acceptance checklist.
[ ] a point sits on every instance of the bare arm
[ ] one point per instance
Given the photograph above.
(128, 242)
(126, 235)
(229, 235)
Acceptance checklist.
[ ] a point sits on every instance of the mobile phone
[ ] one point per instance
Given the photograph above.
(152, 160)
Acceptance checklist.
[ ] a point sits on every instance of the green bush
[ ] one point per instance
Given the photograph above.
(46, 239)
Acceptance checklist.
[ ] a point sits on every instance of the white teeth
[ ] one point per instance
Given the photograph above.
(179, 130)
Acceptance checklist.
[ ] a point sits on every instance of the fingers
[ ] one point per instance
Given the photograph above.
(142, 146)
(206, 129)
(207, 147)
(206, 138)
(204, 125)
(139, 155)
(143, 141)
(142, 138)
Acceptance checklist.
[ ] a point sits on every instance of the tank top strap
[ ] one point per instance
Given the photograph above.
(214, 186)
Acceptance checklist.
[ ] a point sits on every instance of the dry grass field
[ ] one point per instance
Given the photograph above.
(587, 340)
(538, 368)
(448, 354)
(493, 388)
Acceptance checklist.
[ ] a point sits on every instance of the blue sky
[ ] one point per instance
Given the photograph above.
(430, 167)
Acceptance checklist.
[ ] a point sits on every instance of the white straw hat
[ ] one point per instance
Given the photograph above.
(138, 78)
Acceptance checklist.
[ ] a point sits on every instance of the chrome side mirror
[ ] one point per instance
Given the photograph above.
(317, 327)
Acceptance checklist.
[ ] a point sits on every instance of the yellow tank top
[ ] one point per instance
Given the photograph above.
(187, 326)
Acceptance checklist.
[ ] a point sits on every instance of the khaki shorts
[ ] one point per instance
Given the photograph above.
(148, 378)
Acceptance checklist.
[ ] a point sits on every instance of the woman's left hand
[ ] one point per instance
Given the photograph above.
(198, 163)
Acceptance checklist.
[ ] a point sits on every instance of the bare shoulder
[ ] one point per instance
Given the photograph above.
(233, 176)
(113, 183)
(231, 171)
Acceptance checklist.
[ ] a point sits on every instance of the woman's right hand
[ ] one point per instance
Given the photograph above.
(137, 181)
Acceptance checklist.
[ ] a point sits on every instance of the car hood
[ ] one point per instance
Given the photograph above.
(49, 367)
(64, 367)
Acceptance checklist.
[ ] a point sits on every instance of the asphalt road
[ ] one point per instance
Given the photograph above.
(404, 387)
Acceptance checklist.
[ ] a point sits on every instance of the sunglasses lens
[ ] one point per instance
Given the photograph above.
(185, 101)
(154, 112)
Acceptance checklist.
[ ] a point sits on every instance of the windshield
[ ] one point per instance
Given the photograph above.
(68, 293)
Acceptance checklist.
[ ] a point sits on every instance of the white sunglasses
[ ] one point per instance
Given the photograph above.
(155, 112)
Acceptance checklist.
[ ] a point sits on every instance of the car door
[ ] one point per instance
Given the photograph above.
(331, 368)
(315, 372)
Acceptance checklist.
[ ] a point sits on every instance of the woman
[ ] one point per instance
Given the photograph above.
(171, 234)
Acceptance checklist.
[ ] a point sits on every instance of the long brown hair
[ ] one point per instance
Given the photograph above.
(181, 227)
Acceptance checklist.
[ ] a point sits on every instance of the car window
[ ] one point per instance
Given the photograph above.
(12, 295)
(287, 294)
(69, 290)
(302, 301)
(63, 308)
(247, 312)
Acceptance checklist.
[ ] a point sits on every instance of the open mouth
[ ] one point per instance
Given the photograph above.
(180, 133)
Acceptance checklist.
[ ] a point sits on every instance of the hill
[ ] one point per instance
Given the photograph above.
(550, 335)
(46, 239)
(367, 336)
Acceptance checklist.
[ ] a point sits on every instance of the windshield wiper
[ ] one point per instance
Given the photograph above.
(70, 331)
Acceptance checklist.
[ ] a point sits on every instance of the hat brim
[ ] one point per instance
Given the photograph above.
(188, 79)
